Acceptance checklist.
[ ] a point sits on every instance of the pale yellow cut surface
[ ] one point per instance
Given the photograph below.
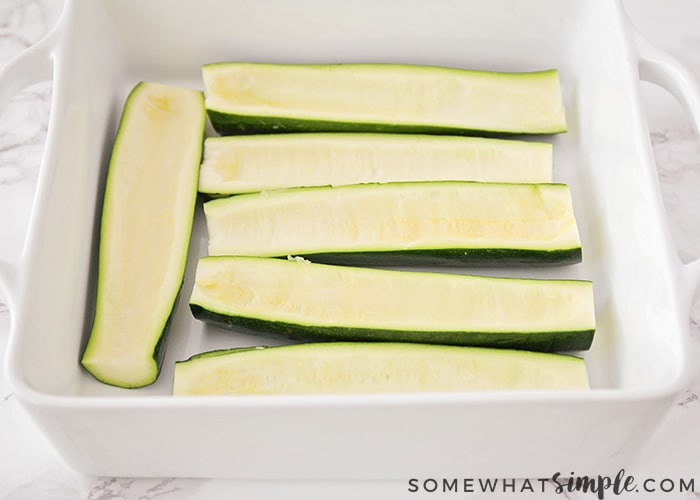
(241, 164)
(145, 230)
(312, 294)
(393, 216)
(386, 93)
(343, 368)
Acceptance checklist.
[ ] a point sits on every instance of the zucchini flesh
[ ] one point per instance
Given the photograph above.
(244, 164)
(249, 98)
(308, 301)
(397, 223)
(343, 368)
(146, 222)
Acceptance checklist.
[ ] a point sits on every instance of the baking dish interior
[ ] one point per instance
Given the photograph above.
(105, 47)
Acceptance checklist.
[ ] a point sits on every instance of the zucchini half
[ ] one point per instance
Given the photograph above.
(308, 301)
(434, 223)
(147, 217)
(249, 98)
(244, 164)
(345, 368)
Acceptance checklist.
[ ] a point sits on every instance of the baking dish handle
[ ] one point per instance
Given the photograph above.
(34, 65)
(658, 67)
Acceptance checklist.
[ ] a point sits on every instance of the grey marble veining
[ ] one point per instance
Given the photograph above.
(24, 136)
(115, 488)
(678, 155)
(23, 123)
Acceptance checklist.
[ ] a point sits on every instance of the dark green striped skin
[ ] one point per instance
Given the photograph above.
(234, 124)
(159, 349)
(395, 254)
(481, 257)
(220, 352)
(557, 341)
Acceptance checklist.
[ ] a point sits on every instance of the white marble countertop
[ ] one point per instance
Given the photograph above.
(29, 468)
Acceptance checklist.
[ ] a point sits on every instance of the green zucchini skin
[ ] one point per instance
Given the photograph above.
(456, 88)
(221, 352)
(559, 341)
(120, 350)
(445, 257)
(161, 345)
(254, 163)
(373, 368)
(309, 301)
(306, 206)
(237, 124)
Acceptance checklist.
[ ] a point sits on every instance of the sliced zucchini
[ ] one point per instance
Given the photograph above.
(345, 368)
(249, 98)
(401, 223)
(245, 164)
(145, 229)
(320, 302)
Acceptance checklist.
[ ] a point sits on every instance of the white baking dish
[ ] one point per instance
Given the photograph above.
(101, 48)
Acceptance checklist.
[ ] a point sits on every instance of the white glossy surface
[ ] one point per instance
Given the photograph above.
(30, 470)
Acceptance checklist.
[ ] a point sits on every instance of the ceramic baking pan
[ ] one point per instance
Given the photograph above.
(102, 48)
